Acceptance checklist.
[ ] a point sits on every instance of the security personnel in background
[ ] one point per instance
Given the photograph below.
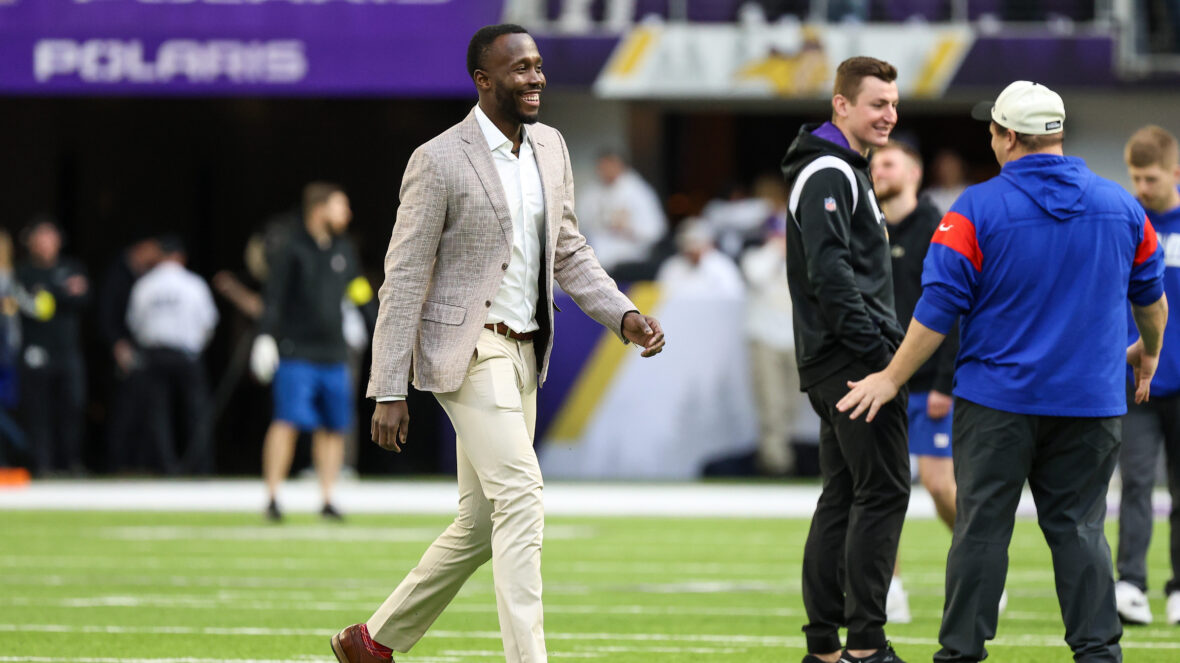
(53, 376)
(172, 316)
(301, 346)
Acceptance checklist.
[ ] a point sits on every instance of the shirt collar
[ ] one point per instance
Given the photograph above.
(491, 133)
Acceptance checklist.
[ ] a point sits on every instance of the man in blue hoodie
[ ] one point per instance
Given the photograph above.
(1153, 162)
(1038, 263)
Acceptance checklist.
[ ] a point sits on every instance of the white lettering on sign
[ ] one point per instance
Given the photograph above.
(1171, 244)
(125, 61)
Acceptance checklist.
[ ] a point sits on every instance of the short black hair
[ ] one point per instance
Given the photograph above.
(318, 193)
(36, 223)
(482, 40)
(172, 244)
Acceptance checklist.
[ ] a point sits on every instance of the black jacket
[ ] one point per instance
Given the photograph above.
(838, 264)
(909, 239)
(53, 330)
(304, 291)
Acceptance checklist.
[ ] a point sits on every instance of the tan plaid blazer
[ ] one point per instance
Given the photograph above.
(448, 253)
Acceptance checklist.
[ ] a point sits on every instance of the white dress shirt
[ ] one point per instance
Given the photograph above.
(516, 303)
(171, 307)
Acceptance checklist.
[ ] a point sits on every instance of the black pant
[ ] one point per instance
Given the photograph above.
(1146, 427)
(1067, 462)
(127, 430)
(179, 377)
(852, 545)
(53, 392)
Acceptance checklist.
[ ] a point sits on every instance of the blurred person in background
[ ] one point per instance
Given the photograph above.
(622, 217)
(1153, 163)
(12, 438)
(485, 227)
(172, 317)
(698, 269)
(949, 179)
(127, 428)
(772, 347)
(839, 272)
(739, 219)
(897, 174)
(53, 379)
(312, 266)
(358, 321)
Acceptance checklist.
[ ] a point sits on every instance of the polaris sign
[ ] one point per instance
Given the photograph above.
(105, 61)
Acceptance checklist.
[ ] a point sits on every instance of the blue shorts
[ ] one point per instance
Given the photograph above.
(313, 396)
(928, 437)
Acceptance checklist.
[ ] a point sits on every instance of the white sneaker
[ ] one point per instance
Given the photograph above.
(1003, 601)
(897, 604)
(1173, 608)
(1132, 603)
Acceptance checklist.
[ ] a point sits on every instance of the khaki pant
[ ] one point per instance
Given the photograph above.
(500, 510)
(776, 395)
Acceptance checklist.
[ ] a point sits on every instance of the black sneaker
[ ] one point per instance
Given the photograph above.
(329, 512)
(272, 512)
(883, 655)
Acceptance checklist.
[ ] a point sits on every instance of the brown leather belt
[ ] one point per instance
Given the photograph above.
(506, 331)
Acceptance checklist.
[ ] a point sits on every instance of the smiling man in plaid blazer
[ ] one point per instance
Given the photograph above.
(486, 225)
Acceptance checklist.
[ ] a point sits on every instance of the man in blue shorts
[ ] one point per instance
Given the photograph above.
(1037, 265)
(1153, 162)
(897, 174)
(313, 267)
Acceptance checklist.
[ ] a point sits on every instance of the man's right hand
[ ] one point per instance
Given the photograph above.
(391, 425)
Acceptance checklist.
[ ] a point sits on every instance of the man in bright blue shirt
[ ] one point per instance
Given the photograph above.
(1037, 264)
(1153, 162)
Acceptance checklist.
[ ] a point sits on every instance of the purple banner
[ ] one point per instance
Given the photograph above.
(412, 48)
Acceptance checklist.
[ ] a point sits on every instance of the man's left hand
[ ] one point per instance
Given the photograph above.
(644, 331)
(874, 391)
(938, 405)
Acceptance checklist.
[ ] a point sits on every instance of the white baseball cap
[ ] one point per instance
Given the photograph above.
(1024, 107)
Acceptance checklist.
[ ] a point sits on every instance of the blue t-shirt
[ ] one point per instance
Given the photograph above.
(1167, 376)
(1040, 262)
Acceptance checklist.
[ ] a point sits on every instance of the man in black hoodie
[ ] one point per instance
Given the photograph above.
(838, 268)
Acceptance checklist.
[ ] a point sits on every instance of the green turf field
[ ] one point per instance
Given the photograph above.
(158, 587)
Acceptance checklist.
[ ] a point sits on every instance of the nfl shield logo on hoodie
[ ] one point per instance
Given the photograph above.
(830, 204)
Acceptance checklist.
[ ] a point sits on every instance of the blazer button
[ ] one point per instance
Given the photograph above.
(504, 267)
(488, 303)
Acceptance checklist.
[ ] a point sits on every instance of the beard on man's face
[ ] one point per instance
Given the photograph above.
(509, 104)
(887, 192)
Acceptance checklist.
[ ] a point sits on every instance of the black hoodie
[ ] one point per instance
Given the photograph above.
(838, 263)
(909, 239)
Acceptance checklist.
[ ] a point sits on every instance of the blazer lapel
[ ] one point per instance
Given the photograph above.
(480, 156)
(551, 178)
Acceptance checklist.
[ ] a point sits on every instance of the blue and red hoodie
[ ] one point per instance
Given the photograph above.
(1040, 262)
(1167, 375)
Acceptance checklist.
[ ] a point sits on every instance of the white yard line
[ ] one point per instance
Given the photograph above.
(442, 634)
(489, 608)
(754, 500)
